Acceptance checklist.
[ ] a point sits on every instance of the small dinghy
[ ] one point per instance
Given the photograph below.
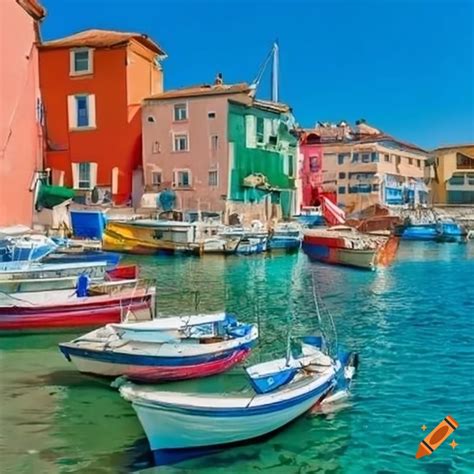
(174, 348)
(182, 425)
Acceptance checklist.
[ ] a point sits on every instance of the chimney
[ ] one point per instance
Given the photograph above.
(219, 79)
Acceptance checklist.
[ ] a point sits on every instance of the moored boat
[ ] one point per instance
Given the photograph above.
(150, 236)
(285, 236)
(28, 247)
(179, 425)
(343, 245)
(79, 256)
(450, 231)
(174, 348)
(33, 270)
(64, 309)
(17, 285)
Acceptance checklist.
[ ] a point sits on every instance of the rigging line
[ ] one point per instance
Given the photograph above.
(259, 76)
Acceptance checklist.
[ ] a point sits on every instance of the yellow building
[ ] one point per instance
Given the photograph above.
(453, 177)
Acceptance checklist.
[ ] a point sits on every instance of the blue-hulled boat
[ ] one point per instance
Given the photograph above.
(427, 231)
(26, 248)
(450, 231)
(285, 237)
(74, 256)
(310, 216)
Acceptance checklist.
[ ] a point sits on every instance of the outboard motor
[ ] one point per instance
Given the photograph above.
(82, 285)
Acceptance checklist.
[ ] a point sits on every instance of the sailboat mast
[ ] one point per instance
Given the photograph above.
(275, 72)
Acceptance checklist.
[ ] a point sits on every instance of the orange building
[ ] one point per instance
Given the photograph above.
(92, 84)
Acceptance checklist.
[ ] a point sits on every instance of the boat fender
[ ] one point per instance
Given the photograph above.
(82, 285)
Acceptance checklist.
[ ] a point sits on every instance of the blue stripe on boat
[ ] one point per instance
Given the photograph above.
(136, 359)
(240, 412)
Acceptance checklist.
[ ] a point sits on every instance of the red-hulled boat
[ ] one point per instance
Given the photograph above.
(63, 309)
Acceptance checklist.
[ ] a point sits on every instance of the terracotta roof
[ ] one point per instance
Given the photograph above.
(102, 39)
(449, 147)
(33, 8)
(203, 90)
(272, 106)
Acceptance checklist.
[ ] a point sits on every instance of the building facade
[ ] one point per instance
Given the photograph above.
(363, 166)
(21, 143)
(93, 84)
(453, 174)
(310, 169)
(220, 149)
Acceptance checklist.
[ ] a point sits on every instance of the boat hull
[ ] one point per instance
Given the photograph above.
(418, 232)
(156, 370)
(175, 433)
(148, 240)
(317, 251)
(288, 244)
(87, 312)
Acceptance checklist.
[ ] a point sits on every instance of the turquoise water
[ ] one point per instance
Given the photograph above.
(412, 324)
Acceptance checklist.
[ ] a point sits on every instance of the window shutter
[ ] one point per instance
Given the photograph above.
(75, 175)
(71, 111)
(93, 175)
(91, 109)
(250, 131)
(267, 130)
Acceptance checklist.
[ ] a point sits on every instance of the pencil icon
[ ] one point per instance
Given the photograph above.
(437, 437)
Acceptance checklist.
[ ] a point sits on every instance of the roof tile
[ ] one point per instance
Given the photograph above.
(102, 39)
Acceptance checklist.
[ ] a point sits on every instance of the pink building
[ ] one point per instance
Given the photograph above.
(21, 143)
(185, 143)
(311, 171)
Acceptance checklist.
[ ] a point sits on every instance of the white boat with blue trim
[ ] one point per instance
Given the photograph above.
(181, 425)
(174, 348)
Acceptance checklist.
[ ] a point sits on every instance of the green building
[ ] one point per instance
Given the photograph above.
(262, 155)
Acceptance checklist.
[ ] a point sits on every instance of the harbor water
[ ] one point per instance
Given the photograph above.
(412, 325)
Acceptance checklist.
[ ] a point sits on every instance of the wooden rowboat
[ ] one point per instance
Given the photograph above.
(63, 309)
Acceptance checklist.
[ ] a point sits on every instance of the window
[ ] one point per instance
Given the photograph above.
(213, 178)
(273, 140)
(340, 159)
(80, 61)
(410, 161)
(374, 157)
(182, 179)
(464, 162)
(365, 157)
(375, 187)
(397, 160)
(81, 111)
(211, 115)
(386, 158)
(341, 190)
(156, 147)
(418, 163)
(314, 164)
(180, 112)
(156, 178)
(84, 181)
(291, 171)
(214, 142)
(151, 119)
(457, 180)
(355, 157)
(181, 142)
(260, 130)
(342, 175)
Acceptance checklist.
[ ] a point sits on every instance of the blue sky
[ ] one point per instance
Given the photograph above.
(407, 67)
